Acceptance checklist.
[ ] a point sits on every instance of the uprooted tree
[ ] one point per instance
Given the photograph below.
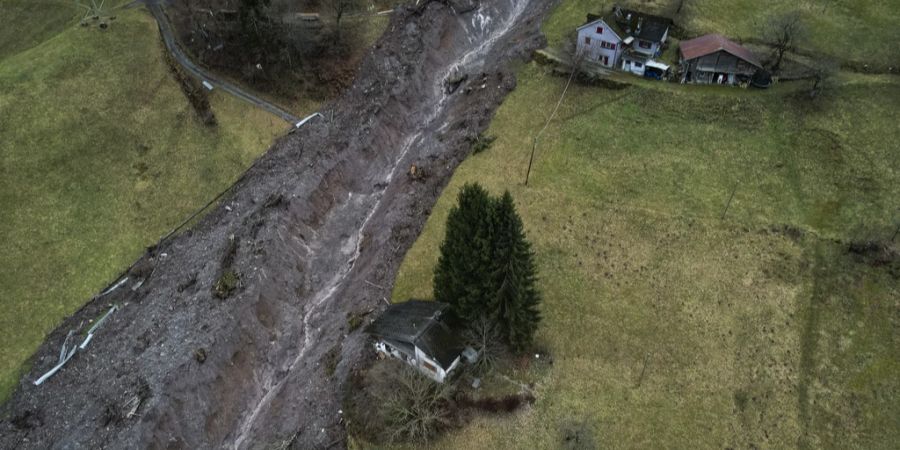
(486, 266)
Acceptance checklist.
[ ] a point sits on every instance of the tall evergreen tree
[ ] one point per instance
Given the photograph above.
(486, 267)
(515, 298)
(462, 275)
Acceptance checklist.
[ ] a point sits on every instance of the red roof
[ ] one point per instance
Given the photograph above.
(712, 43)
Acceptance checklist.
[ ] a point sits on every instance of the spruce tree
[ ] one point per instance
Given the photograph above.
(514, 299)
(486, 267)
(462, 275)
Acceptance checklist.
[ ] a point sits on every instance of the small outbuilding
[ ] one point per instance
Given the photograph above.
(714, 59)
(415, 332)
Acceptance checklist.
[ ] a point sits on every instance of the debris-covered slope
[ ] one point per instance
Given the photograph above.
(238, 334)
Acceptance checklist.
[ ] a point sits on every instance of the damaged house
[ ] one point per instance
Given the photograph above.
(415, 332)
(715, 59)
(627, 40)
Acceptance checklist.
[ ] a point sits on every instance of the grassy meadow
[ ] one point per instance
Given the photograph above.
(851, 31)
(100, 155)
(668, 325)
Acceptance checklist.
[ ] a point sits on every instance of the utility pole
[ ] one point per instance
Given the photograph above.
(576, 67)
(531, 160)
(727, 205)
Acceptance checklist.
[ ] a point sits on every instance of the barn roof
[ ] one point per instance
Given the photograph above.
(419, 323)
(711, 43)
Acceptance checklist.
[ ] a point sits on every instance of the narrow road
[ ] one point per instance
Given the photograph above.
(165, 29)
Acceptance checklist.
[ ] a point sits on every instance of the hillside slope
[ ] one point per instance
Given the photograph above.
(715, 263)
(101, 155)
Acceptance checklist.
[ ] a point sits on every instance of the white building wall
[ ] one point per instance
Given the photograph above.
(652, 52)
(591, 38)
(430, 367)
(419, 360)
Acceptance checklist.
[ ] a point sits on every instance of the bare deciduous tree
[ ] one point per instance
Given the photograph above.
(417, 407)
(483, 336)
(783, 31)
(338, 8)
(823, 73)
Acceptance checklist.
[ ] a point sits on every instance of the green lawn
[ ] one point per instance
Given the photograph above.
(857, 31)
(100, 155)
(756, 330)
(27, 23)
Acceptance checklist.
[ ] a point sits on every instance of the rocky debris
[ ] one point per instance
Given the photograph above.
(200, 355)
(416, 173)
(320, 226)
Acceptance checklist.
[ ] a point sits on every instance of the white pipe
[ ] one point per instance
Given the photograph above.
(307, 119)
(116, 286)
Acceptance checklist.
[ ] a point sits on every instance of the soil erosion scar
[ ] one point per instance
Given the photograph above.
(468, 61)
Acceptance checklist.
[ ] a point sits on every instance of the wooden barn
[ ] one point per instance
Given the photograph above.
(714, 59)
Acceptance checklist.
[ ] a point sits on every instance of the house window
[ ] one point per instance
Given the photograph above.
(638, 65)
(608, 45)
(599, 30)
(587, 40)
(643, 44)
(429, 366)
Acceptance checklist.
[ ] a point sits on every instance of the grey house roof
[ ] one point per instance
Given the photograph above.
(641, 25)
(418, 322)
(624, 22)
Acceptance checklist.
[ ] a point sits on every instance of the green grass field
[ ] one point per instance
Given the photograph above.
(27, 23)
(851, 31)
(670, 327)
(101, 155)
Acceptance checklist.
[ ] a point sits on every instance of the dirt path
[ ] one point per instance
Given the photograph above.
(319, 227)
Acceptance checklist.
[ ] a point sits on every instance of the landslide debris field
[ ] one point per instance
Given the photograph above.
(222, 330)
(101, 153)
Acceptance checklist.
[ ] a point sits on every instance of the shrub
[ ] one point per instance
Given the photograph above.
(226, 284)
(482, 142)
(417, 408)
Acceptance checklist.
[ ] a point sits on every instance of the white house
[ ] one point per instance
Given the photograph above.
(598, 42)
(414, 332)
(626, 40)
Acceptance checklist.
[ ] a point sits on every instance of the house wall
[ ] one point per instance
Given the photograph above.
(655, 47)
(590, 43)
(417, 359)
(652, 52)
(630, 66)
(430, 367)
(706, 69)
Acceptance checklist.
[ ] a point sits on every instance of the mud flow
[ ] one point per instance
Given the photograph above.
(224, 330)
